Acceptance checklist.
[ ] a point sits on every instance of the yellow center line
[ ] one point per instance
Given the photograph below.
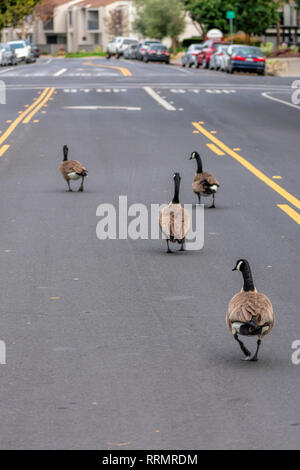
(123, 70)
(268, 181)
(3, 149)
(290, 212)
(39, 106)
(17, 121)
(215, 149)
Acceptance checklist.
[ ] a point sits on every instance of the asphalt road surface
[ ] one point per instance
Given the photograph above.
(115, 344)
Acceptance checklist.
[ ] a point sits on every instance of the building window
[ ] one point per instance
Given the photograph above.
(48, 25)
(93, 20)
(70, 18)
(51, 39)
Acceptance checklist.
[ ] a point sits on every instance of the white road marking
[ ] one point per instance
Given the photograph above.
(265, 95)
(60, 72)
(92, 108)
(159, 99)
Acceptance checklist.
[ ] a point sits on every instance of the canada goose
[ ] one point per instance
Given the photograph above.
(249, 312)
(204, 184)
(72, 169)
(174, 220)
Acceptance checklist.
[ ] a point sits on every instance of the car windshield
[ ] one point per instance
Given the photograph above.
(159, 48)
(17, 45)
(130, 41)
(246, 50)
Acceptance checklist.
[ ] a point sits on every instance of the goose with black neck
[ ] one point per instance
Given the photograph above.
(204, 183)
(250, 313)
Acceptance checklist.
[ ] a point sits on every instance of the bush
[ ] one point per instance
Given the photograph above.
(267, 48)
(194, 40)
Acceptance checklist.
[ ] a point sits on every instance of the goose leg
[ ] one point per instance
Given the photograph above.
(213, 204)
(199, 198)
(169, 251)
(242, 346)
(255, 357)
(70, 189)
(81, 186)
(182, 246)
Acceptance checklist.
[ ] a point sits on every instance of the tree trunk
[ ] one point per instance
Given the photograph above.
(174, 45)
(278, 34)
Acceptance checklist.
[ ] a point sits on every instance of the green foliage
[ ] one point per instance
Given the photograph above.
(14, 11)
(83, 53)
(267, 48)
(252, 16)
(256, 16)
(211, 13)
(160, 19)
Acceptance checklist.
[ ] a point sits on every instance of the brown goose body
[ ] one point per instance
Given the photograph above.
(249, 313)
(174, 222)
(205, 184)
(250, 306)
(72, 169)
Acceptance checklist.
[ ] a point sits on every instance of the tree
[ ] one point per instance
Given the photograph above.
(256, 16)
(160, 19)
(118, 23)
(252, 16)
(12, 12)
(211, 13)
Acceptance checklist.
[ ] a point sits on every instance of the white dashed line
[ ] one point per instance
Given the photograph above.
(159, 99)
(60, 72)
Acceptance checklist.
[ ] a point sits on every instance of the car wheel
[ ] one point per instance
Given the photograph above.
(146, 60)
(167, 62)
(261, 72)
(190, 65)
(182, 65)
(204, 64)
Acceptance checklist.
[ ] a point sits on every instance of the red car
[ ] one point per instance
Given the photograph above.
(209, 48)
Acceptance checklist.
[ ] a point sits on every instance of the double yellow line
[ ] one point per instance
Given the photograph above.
(219, 147)
(25, 116)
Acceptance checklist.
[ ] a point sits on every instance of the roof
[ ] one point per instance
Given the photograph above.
(96, 3)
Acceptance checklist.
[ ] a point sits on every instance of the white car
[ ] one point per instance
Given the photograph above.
(22, 50)
(118, 45)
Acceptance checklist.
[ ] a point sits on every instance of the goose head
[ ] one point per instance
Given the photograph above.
(240, 265)
(194, 155)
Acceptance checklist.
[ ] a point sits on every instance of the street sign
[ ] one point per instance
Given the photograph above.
(230, 15)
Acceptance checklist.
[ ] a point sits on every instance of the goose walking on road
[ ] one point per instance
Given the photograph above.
(250, 313)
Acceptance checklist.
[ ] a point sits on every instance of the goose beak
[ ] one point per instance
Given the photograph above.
(234, 269)
(191, 158)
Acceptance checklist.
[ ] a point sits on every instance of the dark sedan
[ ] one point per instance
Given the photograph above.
(157, 53)
(246, 58)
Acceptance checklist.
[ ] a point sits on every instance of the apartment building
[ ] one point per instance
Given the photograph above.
(74, 25)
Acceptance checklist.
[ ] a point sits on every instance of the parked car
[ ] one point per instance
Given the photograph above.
(22, 51)
(112, 46)
(7, 55)
(130, 52)
(190, 57)
(157, 53)
(216, 59)
(144, 46)
(35, 50)
(209, 48)
(246, 58)
(123, 44)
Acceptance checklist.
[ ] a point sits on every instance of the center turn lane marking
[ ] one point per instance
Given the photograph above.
(259, 174)
(125, 72)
